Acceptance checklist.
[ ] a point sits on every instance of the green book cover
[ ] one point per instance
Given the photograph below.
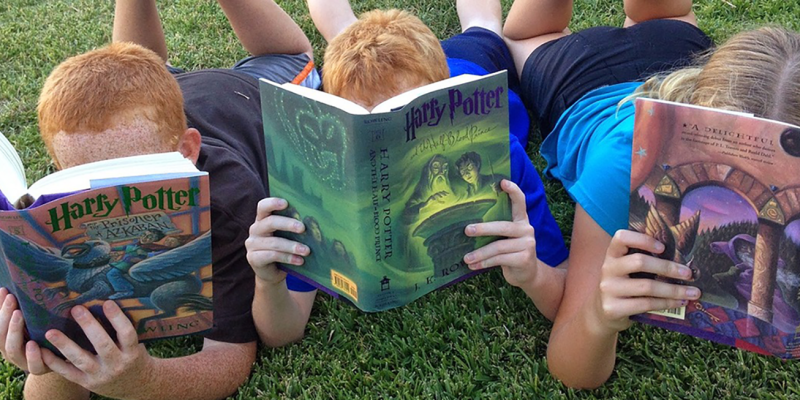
(385, 196)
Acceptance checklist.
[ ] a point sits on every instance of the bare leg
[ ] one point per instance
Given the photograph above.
(644, 10)
(264, 28)
(532, 23)
(531, 18)
(487, 14)
(331, 17)
(137, 21)
(53, 386)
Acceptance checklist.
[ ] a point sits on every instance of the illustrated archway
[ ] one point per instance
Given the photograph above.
(775, 209)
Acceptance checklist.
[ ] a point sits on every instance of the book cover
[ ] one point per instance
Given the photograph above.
(721, 191)
(145, 245)
(385, 197)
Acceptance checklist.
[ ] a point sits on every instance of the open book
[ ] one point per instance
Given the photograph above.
(385, 196)
(13, 184)
(721, 190)
(134, 230)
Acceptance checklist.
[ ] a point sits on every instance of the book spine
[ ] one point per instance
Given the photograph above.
(348, 252)
(379, 216)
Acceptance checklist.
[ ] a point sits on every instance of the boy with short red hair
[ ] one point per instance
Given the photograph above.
(122, 100)
(385, 53)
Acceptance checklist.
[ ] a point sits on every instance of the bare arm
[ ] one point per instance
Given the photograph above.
(577, 334)
(600, 296)
(213, 373)
(137, 21)
(280, 315)
(123, 369)
(331, 17)
(261, 26)
(547, 290)
(516, 255)
(264, 28)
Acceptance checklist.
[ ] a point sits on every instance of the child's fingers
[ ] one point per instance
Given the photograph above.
(126, 334)
(98, 337)
(624, 240)
(498, 247)
(15, 340)
(652, 288)
(269, 205)
(624, 308)
(262, 258)
(273, 223)
(77, 359)
(499, 228)
(274, 243)
(514, 260)
(6, 310)
(518, 208)
(33, 355)
(646, 263)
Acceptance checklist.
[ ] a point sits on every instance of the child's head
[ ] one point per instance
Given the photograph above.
(756, 72)
(116, 101)
(381, 55)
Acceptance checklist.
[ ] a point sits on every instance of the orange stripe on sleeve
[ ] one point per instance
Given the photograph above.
(304, 73)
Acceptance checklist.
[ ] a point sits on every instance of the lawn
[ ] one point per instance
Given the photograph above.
(481, 338)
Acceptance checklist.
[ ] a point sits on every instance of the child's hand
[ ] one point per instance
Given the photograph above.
(13, 346)
(621, 296)
(517, 253)
(264, 249)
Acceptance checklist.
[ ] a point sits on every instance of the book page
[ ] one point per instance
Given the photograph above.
(79, 177)
(323, 97)
(12, 178)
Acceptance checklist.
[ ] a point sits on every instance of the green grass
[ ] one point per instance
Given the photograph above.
(479, 339)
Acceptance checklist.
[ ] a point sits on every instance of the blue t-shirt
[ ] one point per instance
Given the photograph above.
(589, 151)
(550, 246)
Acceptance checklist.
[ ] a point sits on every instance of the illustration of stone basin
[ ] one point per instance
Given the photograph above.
(444, 235)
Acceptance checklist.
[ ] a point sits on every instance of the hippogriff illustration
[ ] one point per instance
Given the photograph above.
(165, 282)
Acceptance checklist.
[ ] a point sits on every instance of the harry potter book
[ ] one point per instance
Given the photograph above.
(386, 195)
(133, 230)
(721, 191)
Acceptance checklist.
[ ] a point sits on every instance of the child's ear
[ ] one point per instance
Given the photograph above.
(189, 144)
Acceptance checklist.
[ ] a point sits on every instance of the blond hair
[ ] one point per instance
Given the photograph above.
(756, 72)
(97, 90)
(381, 51)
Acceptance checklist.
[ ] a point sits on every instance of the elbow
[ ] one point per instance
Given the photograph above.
(573, 383)
(575, 374)
(241, 376)
(232, 365)
(275, 341)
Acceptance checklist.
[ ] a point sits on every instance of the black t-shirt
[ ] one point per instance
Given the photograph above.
(225, 106)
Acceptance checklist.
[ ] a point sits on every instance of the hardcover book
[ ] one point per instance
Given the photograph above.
(133, 230)
(385, 195)
(721, 190)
